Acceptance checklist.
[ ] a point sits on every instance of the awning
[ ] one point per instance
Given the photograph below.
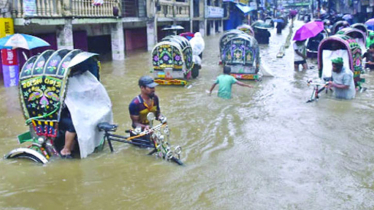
(244, 8)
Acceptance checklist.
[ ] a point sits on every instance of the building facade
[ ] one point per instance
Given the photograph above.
(115, 26)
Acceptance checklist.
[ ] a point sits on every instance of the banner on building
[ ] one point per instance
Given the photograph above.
(9, 57)
(213, 12)
(29, 8)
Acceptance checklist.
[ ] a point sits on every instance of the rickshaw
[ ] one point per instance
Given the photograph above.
(356, 34)
(261, 23)
(340, 46)
(262, 35)
(338, 26)
(247, 29)
(312, 44)
(241, 52)
(50, 81)
(362, 27)
(172, 61)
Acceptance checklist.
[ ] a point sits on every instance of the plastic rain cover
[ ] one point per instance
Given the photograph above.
(89, 104)
(197, 44)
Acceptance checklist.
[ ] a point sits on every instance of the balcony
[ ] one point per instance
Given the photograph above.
(65, 8)
(173, 9)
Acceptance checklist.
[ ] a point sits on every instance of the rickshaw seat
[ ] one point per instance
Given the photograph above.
(107, 127)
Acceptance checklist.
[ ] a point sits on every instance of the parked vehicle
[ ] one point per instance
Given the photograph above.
(172, 61)
(241, 52)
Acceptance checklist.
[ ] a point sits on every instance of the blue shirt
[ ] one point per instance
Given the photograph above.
(225, 83)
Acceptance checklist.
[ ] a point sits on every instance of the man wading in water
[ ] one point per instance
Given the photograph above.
(225, 82)
(343, 84)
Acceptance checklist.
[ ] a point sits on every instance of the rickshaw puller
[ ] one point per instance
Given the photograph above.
(144, 103)
(343, 84)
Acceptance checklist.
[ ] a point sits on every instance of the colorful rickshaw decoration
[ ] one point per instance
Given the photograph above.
(357, 35)
(50, 81)
(340, 46)
(172, 61)
(241, 52)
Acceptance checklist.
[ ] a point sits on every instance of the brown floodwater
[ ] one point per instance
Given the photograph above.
(263, 149)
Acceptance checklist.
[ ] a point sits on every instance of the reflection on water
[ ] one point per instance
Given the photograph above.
(263, 149)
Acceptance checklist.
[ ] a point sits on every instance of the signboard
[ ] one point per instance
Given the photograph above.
(253, 5)
(6, 27)
(213, 12)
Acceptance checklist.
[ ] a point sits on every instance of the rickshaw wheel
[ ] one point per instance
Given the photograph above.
(26, 153)
(28, 156)
(195, 71)
(177, 161)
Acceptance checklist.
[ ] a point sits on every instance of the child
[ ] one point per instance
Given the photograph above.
(225, 82)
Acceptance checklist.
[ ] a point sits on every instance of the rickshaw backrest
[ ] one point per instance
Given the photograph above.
(173, 52)
(241, 50)
(227, 36)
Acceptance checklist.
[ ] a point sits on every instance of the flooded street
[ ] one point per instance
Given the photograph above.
(266, 148)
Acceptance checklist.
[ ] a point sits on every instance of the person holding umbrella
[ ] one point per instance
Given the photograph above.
(305, 32)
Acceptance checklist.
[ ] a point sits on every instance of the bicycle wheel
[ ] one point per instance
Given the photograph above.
(177, 161)
(26, 153)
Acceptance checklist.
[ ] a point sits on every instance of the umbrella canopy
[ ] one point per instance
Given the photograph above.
(293, 12)
(370, 22)
(173, 27)
(278, 20)
(308, 30)
(24, 41)
(347, 16)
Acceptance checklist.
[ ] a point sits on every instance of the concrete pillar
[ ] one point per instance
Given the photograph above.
(64, 35)
(220, 28)
(151, 34)
(118, 42)
(212, 27)
(202, 27)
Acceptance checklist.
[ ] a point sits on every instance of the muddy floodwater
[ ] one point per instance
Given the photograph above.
(266, 148)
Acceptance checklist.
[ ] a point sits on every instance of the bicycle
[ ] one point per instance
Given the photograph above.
(157, 141)
(316, 90)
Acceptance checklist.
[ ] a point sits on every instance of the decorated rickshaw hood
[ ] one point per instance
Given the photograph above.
(43, 80)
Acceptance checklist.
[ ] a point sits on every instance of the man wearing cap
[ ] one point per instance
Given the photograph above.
(343, 84)
(144, 103)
